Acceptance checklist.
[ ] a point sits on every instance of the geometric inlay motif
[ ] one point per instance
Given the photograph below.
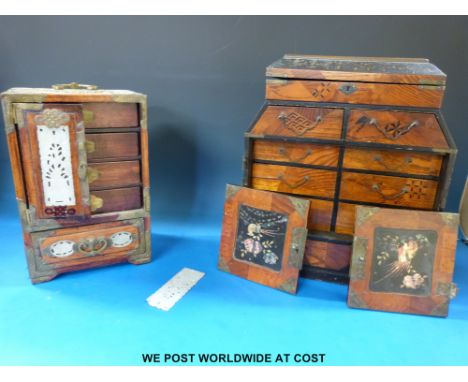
(298, 123)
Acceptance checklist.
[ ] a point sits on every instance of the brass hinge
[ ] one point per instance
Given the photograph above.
(449, 290)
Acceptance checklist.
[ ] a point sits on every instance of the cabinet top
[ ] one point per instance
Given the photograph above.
(417, 71)
(84, 93)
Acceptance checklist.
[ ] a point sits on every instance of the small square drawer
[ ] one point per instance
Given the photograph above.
(294, 180)
(306, 122)
(320, 215)
(111, 146)
(323, 254)
(114, 174)
(302, 153)
(393, 161)
(390, 190)
(117, 199)
(110, 115)
(70, 247)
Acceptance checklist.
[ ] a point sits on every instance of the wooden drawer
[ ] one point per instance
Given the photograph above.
(320, 215)
(391, 190)
(114, 174)
(323, 254)
(118, 199)
(303, 153)
(354, 92)
(89, 244)
(294, 180)
(393, 161)
(345, 218)
(108, 146)
(306, 122)
(110, 115)
(395, 128)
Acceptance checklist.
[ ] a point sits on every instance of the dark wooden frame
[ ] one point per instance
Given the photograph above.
(442, 289)
(444, 179)
(296, 209)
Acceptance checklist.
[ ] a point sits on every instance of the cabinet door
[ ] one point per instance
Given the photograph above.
(54, 159)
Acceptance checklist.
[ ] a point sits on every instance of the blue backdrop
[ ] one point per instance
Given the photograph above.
(204, 77)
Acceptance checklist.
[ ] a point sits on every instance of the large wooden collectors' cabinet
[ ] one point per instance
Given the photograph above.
(348, 131)
(80, 166)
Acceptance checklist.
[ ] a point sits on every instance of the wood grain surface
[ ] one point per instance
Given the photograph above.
(393, 161)
(362, 93)
(303, 153)
(377, 126)
(294, 180)
(389, 190)
(305, 122)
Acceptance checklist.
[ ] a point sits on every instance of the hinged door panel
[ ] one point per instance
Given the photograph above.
(54, 159)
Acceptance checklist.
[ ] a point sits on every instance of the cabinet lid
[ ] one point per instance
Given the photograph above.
(418, 71)
(79, 93)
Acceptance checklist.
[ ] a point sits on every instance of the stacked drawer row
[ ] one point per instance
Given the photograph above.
(340, 156)
(113, 152)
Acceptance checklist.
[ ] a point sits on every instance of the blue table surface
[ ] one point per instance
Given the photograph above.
(100, 316)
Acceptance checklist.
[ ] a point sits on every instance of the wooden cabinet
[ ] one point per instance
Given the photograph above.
(349, 131)
(80, 165)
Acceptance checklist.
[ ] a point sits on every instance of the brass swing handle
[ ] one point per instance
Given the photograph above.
(378, 159)
(391, 131)
(92, 246)
(284, 152)
(404, 190)
(74, 85)
(300, 183)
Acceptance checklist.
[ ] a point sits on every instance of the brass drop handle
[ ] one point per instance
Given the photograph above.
(300, 183)
(284, 152)
(404, 190)
(377, 158)
(393, 130)
(92, 246)
(74, 85)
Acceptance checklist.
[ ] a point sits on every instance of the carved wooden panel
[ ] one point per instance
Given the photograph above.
(55, 167)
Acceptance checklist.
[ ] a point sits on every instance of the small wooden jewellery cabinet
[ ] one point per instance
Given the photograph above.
(80, 166)
(344, 131)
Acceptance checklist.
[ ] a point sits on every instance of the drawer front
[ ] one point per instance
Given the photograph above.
(68, 247)
(104, 146)
(302, 153)
(395, 128)
(327, 255)
(118, 199)
(294, 180)
(355, 93)
(393, 161)
(391, 190)
(306, 122)
(320, 215)
(346, 218)
(110, 115)
(114, 174)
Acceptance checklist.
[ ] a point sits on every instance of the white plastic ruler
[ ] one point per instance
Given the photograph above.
(176, 288)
